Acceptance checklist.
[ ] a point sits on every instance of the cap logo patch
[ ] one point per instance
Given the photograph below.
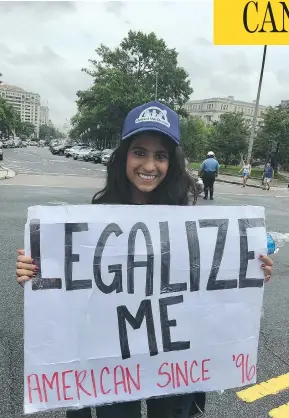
(154, 114)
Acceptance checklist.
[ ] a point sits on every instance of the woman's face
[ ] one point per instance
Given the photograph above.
(147, 162)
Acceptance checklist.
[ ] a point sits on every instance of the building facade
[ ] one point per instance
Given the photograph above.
(26, 104)
(44, 115)
(210, 110)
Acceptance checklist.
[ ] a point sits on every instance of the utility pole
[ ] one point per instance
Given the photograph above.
(156, 87)
(254, 123)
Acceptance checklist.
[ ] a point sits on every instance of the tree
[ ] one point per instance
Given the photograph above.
(50, 132)
(24, 129)
(194, 136)
(275, 128)
(1, 75)
(8, 118)
(126, 77)
(229, 138)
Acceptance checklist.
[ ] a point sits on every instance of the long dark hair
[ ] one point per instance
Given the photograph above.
(178, 188)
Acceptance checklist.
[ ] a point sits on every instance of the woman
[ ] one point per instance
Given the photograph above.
(246, 172)
(268, 175)
(147, 168)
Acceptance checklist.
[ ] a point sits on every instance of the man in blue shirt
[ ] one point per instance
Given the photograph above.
(209, 171)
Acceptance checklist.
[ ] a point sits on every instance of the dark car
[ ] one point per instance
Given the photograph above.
(59, 149)
(92, 155)
(96, 156)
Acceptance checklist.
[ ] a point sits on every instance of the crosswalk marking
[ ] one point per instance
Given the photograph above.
(281, 412)
(271, 387)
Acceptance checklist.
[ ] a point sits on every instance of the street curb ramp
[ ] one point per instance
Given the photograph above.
(6, 173)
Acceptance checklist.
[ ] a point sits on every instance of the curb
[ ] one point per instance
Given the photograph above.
(239, 183)
(6, 173)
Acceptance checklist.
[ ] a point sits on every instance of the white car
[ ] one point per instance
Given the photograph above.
(69, 151)
(79, 154)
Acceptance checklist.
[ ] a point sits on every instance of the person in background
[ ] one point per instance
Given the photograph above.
(268, 175)
(209, 170)
(246, 172)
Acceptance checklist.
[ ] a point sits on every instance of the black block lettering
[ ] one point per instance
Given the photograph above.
(131, 264)
(271, 21)
(245, 16)
(73, 258)
(246, 255)
(144, 311)
(166, 286)
(213, 283)
(39, 283)
(285, 10)
(116, 284)
(166, 323)
(194, 255)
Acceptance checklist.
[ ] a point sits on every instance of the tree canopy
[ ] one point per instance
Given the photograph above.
(50, 132)
(24, 129)
(141, 68)
(275, 128)
(195, 135)
(8, 118)
(229, 138)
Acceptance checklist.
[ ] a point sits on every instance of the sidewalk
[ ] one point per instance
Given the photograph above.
(250, 183)
(6, 173)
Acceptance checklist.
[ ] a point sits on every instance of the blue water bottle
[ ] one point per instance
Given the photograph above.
(276, 240)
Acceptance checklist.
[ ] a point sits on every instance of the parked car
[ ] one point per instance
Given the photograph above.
(1, 151)
(106, 156)
(69, 151)
(59, 149)
(93, 155)
(80, 153)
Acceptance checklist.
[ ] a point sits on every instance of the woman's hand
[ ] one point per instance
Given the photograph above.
(266, 265)
(26, 269)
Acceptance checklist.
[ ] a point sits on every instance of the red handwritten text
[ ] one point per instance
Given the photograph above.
(176, 375)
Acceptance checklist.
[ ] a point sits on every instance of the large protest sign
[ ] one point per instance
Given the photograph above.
(133, 302)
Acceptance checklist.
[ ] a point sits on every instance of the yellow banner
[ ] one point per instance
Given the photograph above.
(243, 22)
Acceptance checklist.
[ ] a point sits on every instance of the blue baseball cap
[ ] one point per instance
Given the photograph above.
(152, 116)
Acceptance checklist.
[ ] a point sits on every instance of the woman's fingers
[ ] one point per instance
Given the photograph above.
(26, 266)
(24, 259)
(267, 278)
(267, 270)
(266, 260)
(21, 280)
(24, 272)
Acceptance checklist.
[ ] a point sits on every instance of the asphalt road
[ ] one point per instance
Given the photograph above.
(73, 185)
(39, 161)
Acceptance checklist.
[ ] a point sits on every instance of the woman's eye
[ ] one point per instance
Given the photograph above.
(162, 157)
(139, 153)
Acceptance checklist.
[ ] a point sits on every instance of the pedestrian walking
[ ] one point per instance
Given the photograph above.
(268, 175)
(209, 170)
(148, 167)
(246, 172)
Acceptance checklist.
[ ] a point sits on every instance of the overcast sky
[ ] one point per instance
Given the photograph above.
(44, 45)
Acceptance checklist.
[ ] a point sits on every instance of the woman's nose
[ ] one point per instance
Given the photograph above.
(149, 165)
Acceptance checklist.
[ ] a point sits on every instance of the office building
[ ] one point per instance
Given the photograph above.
(44, 115)
(210, 110)
(25, 103)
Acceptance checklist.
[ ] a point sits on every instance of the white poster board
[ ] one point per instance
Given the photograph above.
(133, 302)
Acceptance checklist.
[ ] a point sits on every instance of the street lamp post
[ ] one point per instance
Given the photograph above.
(254, 123)
(156, 87)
